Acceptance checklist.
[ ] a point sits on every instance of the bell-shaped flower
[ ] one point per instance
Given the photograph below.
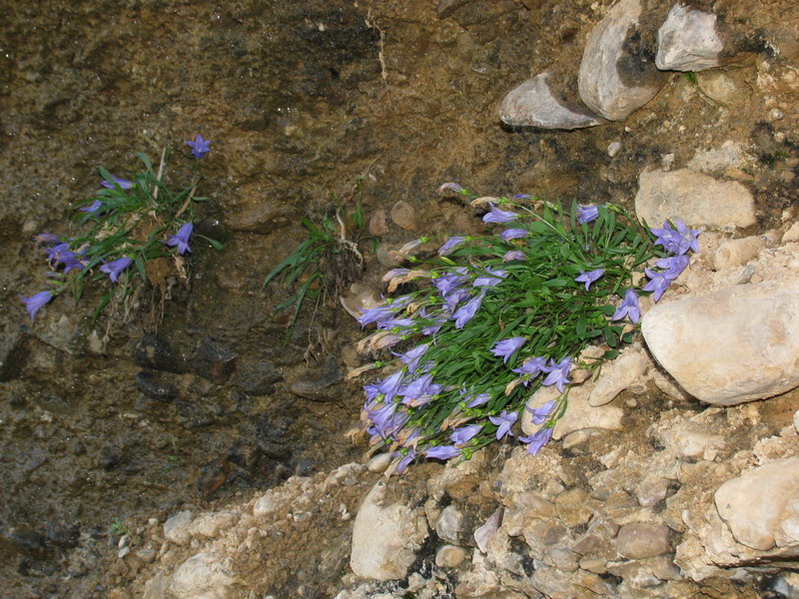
(499, 216)
(181, 238)
(199, 146)
(113, 269)
(504, 421)
(589, 277)
(507, 347)
(35, 302)
(628, 307)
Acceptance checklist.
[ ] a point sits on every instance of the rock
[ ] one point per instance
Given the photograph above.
(209, 525)
(453, 525)
(258, 209)
(761, 506)
(13, 353)
(315, 384)
(360, 297)
(535, 104)
(177, 529)
(259, 379)
(698, 340)
(639, 540)
(214, 362)
(716, 161)
(404, 216)
(652, 490)
(486, 532)
(450, 556)
(737, 252)
(265, 505)
(573, 507)
(626, 370)
(695, 198)
(153, 387)
(689, 40)
(202, 576)
(721, 88)
(155, 587)
(378, 224)
(151, 351)
(581, 415)
(616, 77)
(380, 462)
(385, 538)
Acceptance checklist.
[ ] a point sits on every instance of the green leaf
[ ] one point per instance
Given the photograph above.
(214, 243)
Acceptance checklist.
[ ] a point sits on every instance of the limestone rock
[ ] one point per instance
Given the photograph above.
(625, 371)
(385, 538)
(689, 40)
(450, 556)
(453, 525)
(535, 104)
(761, 506)
(638, 540)
(202, 576)
(732, 345)
(177, 529)
(615, 76)
(695, 198)
(581, 415)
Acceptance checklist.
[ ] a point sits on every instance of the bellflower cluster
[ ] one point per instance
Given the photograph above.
(122, 230)
(496, 318)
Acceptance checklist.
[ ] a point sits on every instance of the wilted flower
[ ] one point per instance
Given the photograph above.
(589, 277)
(509, 234)
(628, 307)
(513, 255)
(467, 311)
(181, 238)
(34, 302)
(504, 421)
(119, 181)
(450, 244)
(558, 373)
(499, 216)
(507, 347)
(442, 452)
(46, 238)
(199, 146)
(117, 266)
(451, 187)
(586, 214)
(538, 440)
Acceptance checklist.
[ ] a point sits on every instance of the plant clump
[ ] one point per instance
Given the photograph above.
(494, 318)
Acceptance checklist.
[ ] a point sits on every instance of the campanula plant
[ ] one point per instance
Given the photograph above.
(491, 319)
(130, 232)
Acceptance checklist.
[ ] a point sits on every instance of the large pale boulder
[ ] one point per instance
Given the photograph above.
(385, 537)
(689, 40)
(202, 576)
(731, 345)
(535, 103)
(616, 78)
(695, 198)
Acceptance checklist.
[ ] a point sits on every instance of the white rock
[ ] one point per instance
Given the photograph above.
(612, 81)
(450, 556)
(581, 415)
(452, 525)
(487, 531)
(737, 252)
(732, 345)
(266, 504)
(761, 506)
(385, 538)
(716, 161)
(379, 463)
(689, 41)
(177, 529)
(535, 104)
(202, 576)
(209, 525)
(695, 198)
(625, 371)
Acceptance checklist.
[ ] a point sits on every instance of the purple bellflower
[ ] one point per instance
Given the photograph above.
(390, 386)
(118, 182)
(586, 214)
(658, 283)
(467, 311)
(541, 414)
(558, 374)
(34, 302)
(532, 367)
(117, 266)
(507, 347)
(448, 283)
(181, 238)
(95, 206)
(405, 461)
(521, 196)
(628, 307)
(677, 241)
(442, 452)
(199, 146)
(590, 276)
(504, 421)
(499, 216)
(449, 245)
(411, 357)
(509, 234)
(674, 266)
(475, 401)
(537, 440)
(492, 278)
(465, 434)
(513, 255)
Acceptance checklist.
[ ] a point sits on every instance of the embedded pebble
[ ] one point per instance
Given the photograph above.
(639, 540)
(450, 556)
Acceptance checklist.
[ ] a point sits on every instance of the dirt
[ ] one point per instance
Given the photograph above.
(301, 100)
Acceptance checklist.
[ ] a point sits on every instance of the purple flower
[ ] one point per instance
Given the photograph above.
(589, 277)
(507, 347)
(628, 307)
(521, 196)
(677, 241)
(376, 314)
(513, 255)
(465, 434)
(435, 322)
(504, 421)
(119, 181)
(467, 311)
(199, 147)
(499, 216)
(371, 390)
(558, 374)
(93, 207)
(442, 452)
(658, 283)
(117, 266)
(541, 414)
(509, 234)
(587, 214)
(674, 265)
(491, 279)
(181, 238)
(395, 272)
(418, 388)
(449, 245)
(448, 283)
(537, 440)
(390, 386)
(407, 458)
(34, 302)
(61, 254)
(532, 367)
(412, 356)
(477, 400)
(451, 187)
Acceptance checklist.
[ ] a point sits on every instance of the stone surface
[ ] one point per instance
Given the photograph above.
(450, 556)
(214, 361)
(761, 506)
(453, 526)
(695, 198)
(404, 216)
(700, 341)
(384, 538)
(626, 370)
(689, 40)
(202, 576)
(737, 252)
(616, 77)
(638, 540)
(177, 529)
(535, 104)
